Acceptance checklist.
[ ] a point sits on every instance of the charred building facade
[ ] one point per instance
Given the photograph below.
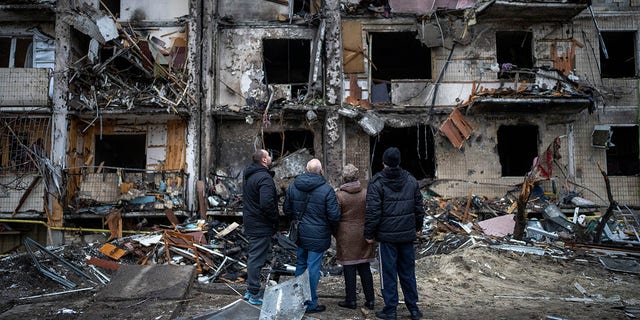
(116, 112)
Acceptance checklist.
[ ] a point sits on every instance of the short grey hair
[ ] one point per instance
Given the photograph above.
(349, 173)
(314, 166)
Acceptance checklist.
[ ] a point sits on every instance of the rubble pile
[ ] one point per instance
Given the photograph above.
(218, 250)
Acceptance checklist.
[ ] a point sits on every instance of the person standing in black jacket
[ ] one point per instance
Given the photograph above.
(393, 218)
(260, 219)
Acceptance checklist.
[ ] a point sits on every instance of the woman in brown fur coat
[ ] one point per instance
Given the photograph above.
(353, 252)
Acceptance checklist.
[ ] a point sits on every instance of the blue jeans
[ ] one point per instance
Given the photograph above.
(311, 260)
(397, 261)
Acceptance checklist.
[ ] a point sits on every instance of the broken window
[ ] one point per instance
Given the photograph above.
(622, 154)
(398, 55)
(79, 46)
(286, 61)
(286, 142)
(514, 51)
(303, 7)
(112, 6)
(416, 148)
(121, 150)
(620, 46)
(393, 56)
(16, 52)
(22, 142)
(517, 147)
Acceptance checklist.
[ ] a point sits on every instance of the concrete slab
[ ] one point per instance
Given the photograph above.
(164, 282)
(498, 226)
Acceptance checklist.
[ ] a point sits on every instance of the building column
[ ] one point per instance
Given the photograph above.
(59, 133)
(334, 124)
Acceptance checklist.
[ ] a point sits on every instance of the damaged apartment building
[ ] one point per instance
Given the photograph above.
(145, 109)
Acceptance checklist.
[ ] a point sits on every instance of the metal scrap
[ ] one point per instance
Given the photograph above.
(28, 242)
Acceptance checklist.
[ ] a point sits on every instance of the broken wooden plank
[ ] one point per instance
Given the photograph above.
(461, 123)
(112, 251)
(452, 133)
(172, 217)
(26, 194)
(227, 230)
(202, 206)
(111, 265)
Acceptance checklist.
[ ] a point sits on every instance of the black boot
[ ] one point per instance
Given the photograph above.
(416, 315)
(348, 304)
(386, 316)
(369, 304)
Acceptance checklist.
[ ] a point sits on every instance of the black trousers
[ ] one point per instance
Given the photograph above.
(364, 270)
(259, 254)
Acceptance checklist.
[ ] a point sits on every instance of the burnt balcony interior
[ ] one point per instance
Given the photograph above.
(620, 60)
(517, 146)
(622, 152)
(121, 150)
(141, 67)
(416, 147)
(283, 143)
(514, 54)
(396, 55)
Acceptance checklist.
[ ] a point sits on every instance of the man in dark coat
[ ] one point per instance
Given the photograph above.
(260, 219)
(312, 201)
(393, 218)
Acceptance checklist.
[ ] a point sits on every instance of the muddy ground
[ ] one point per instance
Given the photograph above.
(473, 283)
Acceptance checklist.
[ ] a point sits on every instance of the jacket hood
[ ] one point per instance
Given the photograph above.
(351, 187)
(253, 168)
(308, 181)
(394, 177)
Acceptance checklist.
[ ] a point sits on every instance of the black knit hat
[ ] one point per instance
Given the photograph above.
(391, 157)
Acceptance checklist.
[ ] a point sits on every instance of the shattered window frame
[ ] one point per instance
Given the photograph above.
(621, 46)
(622, 153)
(16, 44)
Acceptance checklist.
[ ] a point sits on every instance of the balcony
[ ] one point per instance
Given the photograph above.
(24, 87)
(526, 10)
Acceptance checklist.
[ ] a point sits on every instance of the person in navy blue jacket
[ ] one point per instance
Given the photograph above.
(260, 219)
(393, 218)
(311, 198)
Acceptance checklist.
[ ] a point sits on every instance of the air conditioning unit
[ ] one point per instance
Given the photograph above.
(601, 136)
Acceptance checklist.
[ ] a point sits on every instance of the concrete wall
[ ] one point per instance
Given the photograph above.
(153, 10)
(251, 10)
